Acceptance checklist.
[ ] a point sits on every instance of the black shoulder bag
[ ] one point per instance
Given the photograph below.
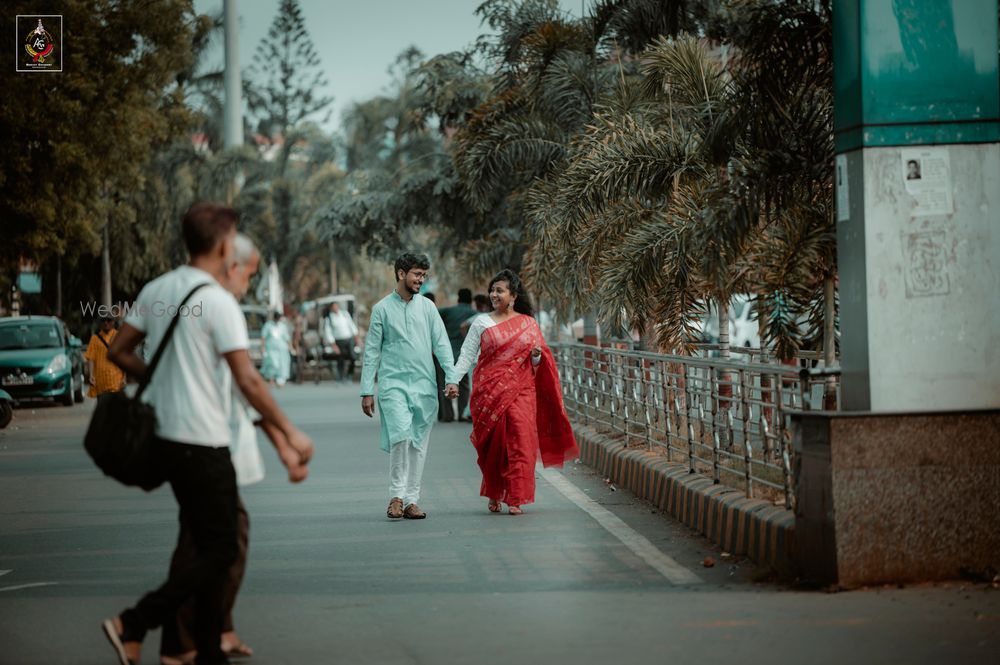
(122, 431)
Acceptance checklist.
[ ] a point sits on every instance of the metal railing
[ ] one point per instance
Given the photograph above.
(725, 418)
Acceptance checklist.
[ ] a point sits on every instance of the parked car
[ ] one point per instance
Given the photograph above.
(256, 316)
(6, 408)
(40, 360)
(743, 328)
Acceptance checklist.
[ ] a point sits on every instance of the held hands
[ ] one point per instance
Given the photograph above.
(294, 448)
(536, 353)
(297, 471)
(368, 405)
(302, 444)
(451, 391)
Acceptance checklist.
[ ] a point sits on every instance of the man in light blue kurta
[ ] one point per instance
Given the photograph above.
(404, 333)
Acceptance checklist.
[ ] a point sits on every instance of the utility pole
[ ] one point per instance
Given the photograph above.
(334, 286)
(233, 112)
(106, 267)
(59, 293)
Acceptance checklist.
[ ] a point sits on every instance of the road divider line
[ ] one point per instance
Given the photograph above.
(4, 572)
(638, 544)
(27, 586)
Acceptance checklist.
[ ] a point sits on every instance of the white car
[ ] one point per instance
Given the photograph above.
(743, 329)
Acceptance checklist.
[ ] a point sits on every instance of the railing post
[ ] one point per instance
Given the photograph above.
(713, 393)
(745, 379)
(697, 405)
(649, 395)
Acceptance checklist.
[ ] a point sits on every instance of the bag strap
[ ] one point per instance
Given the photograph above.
(102, 341)
(163, 343)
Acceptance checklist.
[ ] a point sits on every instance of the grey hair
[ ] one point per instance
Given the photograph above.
(243, 249)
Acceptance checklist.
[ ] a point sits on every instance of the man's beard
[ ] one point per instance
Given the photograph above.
(412, 290)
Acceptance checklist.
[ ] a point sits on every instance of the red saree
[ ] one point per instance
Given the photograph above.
(517, 411)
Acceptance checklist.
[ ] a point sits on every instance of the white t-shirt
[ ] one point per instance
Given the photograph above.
(340, 326)
(191, 388)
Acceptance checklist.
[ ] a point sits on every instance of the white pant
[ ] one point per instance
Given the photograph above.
(406, 467)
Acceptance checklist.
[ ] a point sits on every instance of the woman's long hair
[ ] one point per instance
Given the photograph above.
(522, 305)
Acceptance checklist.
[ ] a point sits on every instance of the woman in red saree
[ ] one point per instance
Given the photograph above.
(517, 407)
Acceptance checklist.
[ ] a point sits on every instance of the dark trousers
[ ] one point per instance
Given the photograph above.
(463, 395)
(177, 637)
(204, 484)
(445, 412)
(346, 358)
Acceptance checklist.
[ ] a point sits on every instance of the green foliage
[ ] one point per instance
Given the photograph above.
(702, 175)
(286, 75)
(78, 138)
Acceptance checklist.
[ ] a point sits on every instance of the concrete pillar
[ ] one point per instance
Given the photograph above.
(903, 485)
(918, 203)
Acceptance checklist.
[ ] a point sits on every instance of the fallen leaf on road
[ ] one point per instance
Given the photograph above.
(709, 562)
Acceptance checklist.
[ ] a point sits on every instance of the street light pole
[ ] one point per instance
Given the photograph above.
(233, 116)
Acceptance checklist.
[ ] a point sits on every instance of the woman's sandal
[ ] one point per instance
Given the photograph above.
(515, 510)
(495, 506)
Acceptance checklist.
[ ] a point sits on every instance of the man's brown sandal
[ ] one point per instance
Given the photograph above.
(413, 512)
(395, 510)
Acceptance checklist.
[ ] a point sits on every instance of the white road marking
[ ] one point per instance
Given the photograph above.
(636, 542)
(4, 572)
(27, 586)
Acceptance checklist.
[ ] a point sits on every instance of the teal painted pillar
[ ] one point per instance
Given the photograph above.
(917, 135)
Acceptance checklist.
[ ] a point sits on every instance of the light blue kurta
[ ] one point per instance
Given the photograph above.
(402, 338)
(276, 363)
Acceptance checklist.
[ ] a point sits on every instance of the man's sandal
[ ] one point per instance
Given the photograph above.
(495, 506)
(413, 512)
(515, 510)
(395, 510)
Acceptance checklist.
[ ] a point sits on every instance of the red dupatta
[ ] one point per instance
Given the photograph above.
(504, 372)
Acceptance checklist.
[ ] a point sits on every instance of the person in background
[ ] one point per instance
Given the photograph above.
(105, 377)
(482, 304)
(453, 318)
(405, 332)
(276, 347)
(340, 332)
(445, 413)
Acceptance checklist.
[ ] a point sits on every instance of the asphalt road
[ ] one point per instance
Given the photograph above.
(588, 575)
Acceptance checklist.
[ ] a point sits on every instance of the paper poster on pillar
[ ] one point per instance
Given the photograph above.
(843, 190)
(927, 176)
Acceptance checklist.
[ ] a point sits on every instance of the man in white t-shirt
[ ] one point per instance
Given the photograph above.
(340, 331)
(190, 392)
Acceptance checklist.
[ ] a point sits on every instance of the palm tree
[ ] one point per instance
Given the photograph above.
(696, 181)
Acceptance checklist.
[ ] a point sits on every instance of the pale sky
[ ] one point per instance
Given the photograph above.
(357, 40)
